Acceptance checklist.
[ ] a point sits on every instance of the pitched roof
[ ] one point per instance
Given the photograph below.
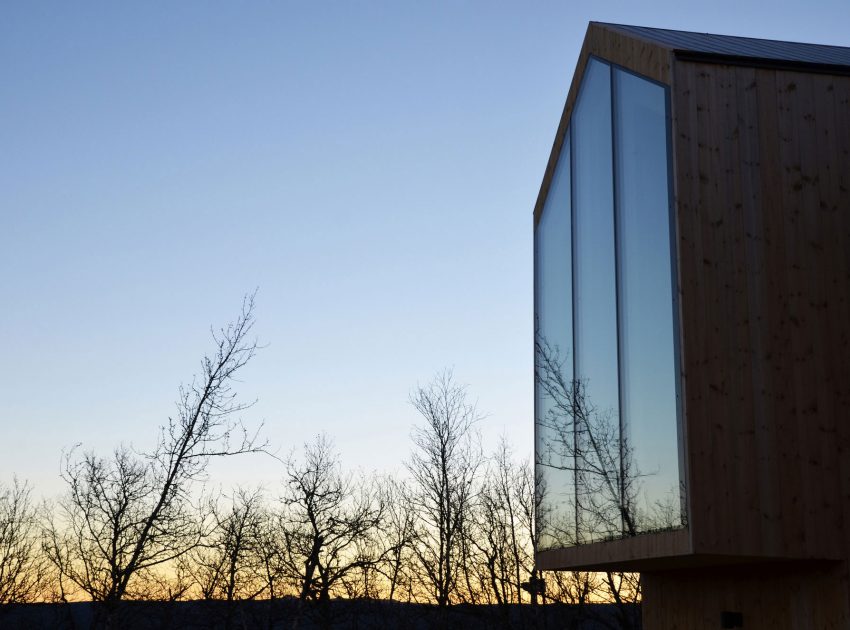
(740, 48)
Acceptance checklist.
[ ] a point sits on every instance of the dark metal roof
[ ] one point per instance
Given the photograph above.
(738, 47)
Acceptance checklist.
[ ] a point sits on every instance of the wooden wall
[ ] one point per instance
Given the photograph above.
(762, 162)
(790, 598)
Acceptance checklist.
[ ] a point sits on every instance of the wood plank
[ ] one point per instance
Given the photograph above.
(717, 530)
(634, 551)
(833, 101)
(793, 308)
(736, 289)
(820, 537)
(765, 474)
(835, 282)
(774, 369)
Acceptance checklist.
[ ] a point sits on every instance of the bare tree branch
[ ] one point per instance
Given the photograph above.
(22, 570)
(444, 467)
(128, 514)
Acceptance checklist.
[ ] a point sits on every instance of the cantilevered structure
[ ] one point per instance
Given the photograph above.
(692, 327)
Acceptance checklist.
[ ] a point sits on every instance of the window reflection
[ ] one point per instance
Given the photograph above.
(554, 330)
(647, 355)
(595, 297)
(607, 448)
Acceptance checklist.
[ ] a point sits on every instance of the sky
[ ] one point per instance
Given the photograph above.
(370, 168)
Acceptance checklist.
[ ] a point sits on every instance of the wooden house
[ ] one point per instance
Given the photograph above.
(692, 327)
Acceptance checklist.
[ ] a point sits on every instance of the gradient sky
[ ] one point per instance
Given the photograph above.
(371, 167)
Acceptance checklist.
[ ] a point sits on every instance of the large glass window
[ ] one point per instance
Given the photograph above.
(606, 406)
(554, 343)
(647, 353)
(595, 298)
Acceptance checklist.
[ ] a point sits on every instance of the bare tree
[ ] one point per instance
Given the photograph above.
(270, 553)
(574, 587)
(530, 491)
(398, 536)
(125, 515)
(107, 507)
(22, 570)
(328, 522)
(444, 467)
(168, 583)
(504, 542)
(623, 590)
(227, 565)
(587, 441)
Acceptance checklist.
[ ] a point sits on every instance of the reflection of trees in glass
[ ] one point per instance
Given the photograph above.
(578, 437)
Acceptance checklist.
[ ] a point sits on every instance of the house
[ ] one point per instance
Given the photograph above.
(692, 327)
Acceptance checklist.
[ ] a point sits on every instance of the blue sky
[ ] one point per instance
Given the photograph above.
(371, 167)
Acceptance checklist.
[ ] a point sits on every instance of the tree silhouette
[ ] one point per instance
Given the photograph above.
(444, 469)
(127, 514)
(22, 569)
(586, 441)
(328, 524)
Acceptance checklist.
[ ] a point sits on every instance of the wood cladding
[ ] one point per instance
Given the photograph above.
(761, 159)
(662, 550)
(798, 597)
(761, 178)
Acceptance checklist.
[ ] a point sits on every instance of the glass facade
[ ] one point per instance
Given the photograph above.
(594, 297)
(606, 400)
(554, 338)
(647, 353)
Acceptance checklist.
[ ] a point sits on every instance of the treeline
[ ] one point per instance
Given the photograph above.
(458, 528)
